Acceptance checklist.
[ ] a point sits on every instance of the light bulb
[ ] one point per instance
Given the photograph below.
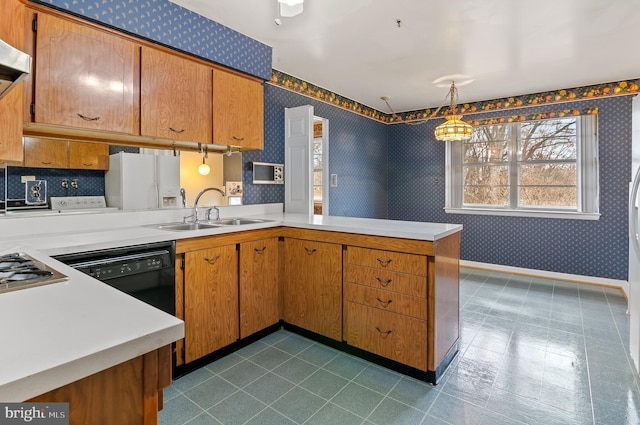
(203, 169)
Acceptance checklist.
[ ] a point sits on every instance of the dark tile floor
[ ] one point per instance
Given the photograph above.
(533, 351)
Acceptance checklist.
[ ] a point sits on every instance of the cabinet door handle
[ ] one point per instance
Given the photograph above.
(384, 263)
(239, 139)
(309, 250)
(212, 260)
(384, 334)
(384, 303)
(176, 131)
(45, 162)
(87, 165)
(86, 118)
(260, 250)
(383, 282)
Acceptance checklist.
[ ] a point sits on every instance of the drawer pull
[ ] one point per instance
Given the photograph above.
(212, 260)
(384, 334)
(384, 303)
(239, 139)
(384, 263)
(176, 131)
(310, 250)
(383, 282)
(86, 118)
(260, 250)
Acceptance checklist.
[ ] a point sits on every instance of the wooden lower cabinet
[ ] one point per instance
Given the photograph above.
(210, 300)
(312, 290)
(259, 286)
(386, 304)
(396, 298)
(395, 336)
(129, 393)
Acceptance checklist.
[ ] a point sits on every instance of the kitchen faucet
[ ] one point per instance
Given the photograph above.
(195, 203)
(183, 195)
(208, 215)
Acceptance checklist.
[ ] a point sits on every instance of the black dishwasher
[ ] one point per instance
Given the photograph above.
(146, 271)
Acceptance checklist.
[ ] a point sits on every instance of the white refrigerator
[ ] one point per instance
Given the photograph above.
(634, 239)
(141, 181)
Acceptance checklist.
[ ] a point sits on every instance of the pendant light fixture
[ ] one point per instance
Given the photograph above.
(203, 168)
(454, 128)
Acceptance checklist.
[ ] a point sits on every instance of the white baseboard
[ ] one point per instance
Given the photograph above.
(622, 285)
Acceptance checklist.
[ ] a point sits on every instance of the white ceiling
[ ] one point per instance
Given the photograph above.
(507, 47)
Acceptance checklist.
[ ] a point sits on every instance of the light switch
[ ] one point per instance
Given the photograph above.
(334, 180)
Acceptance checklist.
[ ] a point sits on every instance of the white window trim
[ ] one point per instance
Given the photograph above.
(588, 181)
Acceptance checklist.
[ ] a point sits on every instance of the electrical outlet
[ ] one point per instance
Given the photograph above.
(24, 179)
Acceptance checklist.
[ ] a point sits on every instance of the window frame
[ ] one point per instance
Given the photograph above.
(587, 178)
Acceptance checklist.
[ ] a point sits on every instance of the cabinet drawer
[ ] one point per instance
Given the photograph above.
(386, 300)
(388, 260)
(397, 337)
(397, 282)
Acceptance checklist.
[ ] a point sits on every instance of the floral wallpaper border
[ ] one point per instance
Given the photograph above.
(535, 117)
(619, 88)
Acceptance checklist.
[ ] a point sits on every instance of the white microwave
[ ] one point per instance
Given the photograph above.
(268, 173)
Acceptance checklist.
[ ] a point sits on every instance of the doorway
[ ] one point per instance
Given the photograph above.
(306, 162)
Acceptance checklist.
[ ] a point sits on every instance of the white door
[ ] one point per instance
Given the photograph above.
(298, 160)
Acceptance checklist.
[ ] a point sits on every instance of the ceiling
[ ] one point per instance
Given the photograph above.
(357, 48)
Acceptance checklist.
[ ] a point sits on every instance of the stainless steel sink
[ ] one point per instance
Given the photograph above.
(238, 221)
(187, 226)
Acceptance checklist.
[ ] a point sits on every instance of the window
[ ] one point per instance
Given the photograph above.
(543, 168)
(317, 169)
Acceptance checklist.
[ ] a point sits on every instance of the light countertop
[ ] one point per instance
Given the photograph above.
(55, 334)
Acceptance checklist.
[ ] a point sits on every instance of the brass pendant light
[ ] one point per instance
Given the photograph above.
(454, 128)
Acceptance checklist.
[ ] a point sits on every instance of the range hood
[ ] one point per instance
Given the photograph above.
(14, 66)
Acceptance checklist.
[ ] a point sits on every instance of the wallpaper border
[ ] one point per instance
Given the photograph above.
(618, 88)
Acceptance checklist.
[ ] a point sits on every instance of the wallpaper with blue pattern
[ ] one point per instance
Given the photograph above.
(167, 23)
(582, 247)
(357, 154)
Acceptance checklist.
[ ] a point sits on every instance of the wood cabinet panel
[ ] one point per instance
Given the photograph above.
(126, 394)
(398, 282)
(386, 300)
(259, 286)
(46, 153)
(53, 153)
(85, 77)
(313, 286)
(210, 300)
(176, 96)
(395, 336)
(238, 111)
(88, 156)
(11, 110)
(387, 260)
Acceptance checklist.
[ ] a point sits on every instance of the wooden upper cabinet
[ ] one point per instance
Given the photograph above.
(11, 111)
(88, 156)
(46, 153)
(238, 111)
(52, 153)
(175, 97)
(85, 77)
